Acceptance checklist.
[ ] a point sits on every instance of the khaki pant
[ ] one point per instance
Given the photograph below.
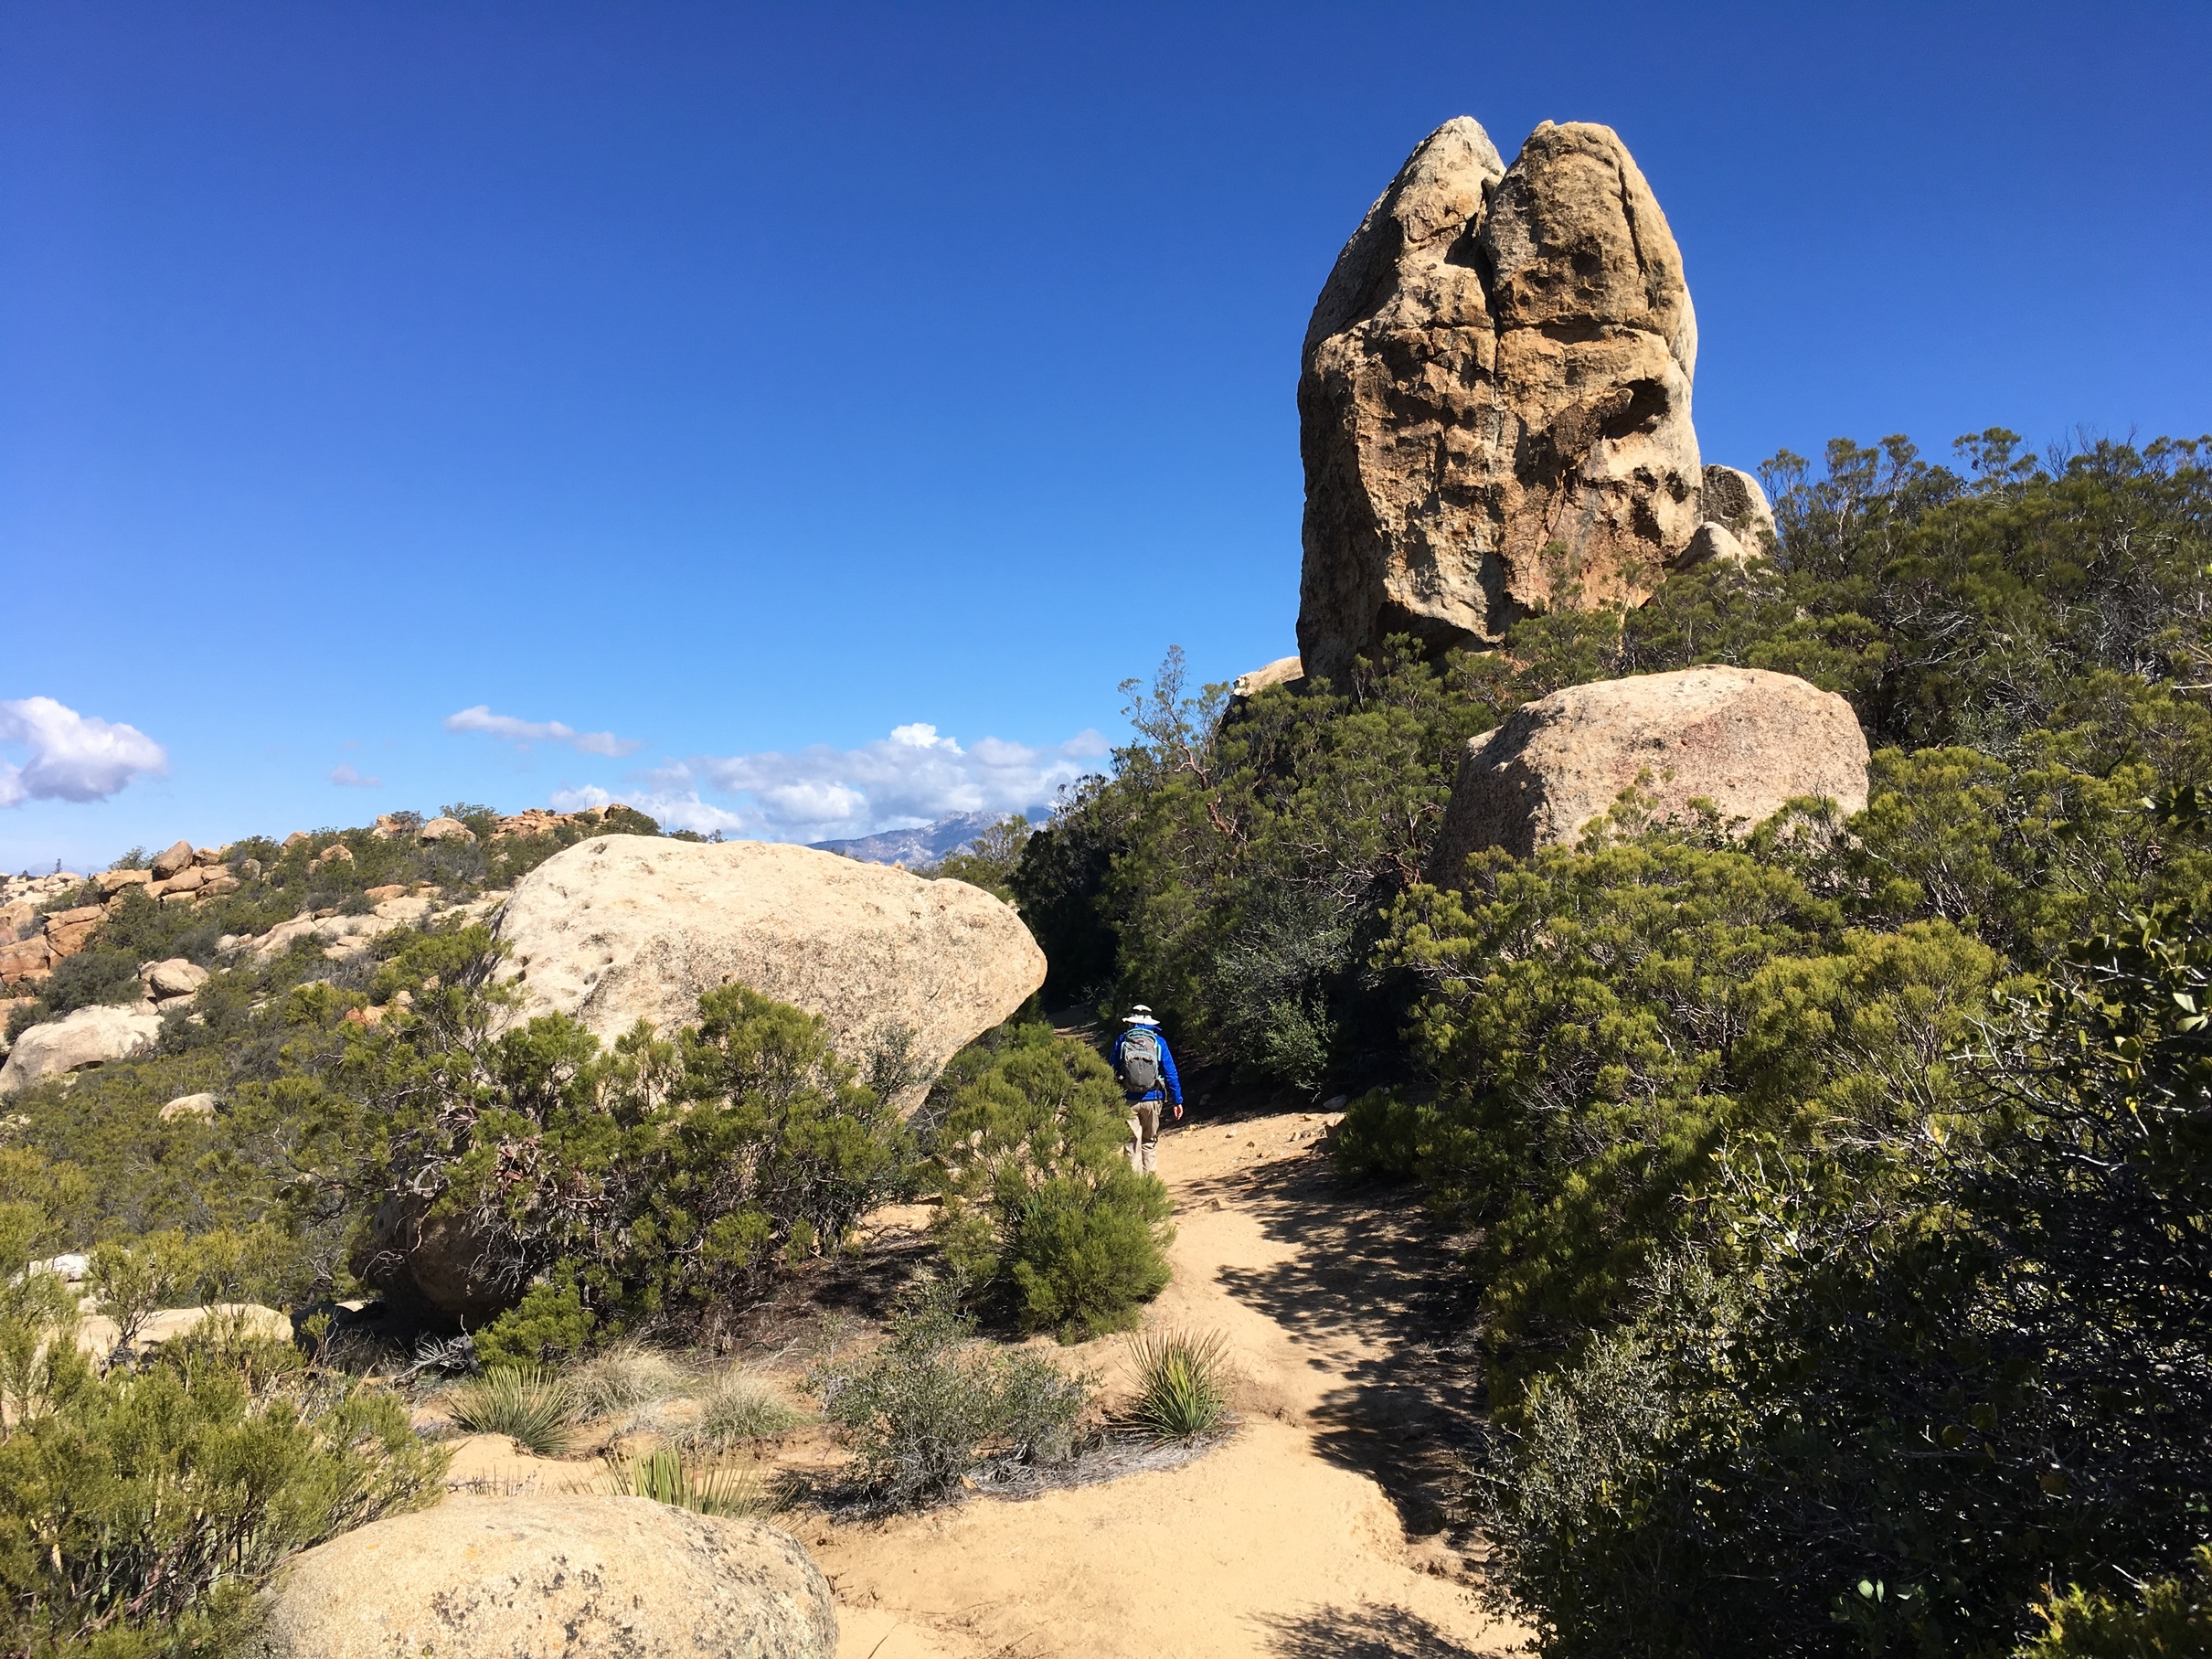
(1144, 1149)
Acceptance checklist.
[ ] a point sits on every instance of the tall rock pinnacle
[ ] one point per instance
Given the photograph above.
(1494, 398)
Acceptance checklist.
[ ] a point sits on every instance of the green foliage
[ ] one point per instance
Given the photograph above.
(95, 975)
(662, 1475)
(1039, 1203)
(932, 1405)
(1181, 1384)
(1820, 1264)
(2168, 1618)
(140, 1511)
(991, 862)
(535, 1409)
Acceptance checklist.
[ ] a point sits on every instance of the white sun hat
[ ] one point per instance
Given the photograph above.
(1139, 1014)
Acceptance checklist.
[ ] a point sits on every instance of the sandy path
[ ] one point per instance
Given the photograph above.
(1314, 1532)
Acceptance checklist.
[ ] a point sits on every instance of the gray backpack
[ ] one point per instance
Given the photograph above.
(1141, 1061)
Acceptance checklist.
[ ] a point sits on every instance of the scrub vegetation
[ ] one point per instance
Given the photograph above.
(1838, 1194)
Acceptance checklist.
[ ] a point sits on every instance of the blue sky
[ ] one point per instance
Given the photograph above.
(805, 416)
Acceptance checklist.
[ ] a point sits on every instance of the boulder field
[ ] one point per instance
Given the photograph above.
(623, 928)
(1743, 738)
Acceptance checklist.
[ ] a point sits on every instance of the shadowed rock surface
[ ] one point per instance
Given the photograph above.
(1495, 401)
(1745, 739)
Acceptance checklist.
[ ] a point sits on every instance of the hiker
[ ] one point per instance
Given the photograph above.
(1147, 1071)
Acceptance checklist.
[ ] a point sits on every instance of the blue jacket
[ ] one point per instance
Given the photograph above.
(1174, 1091)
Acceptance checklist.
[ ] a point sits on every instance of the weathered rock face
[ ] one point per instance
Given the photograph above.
(1282, 671)
(1495, 401)
(536, 1578)
(531, 1577)
(445, 829)
(90, 1036)
(173, 859)
(623, 928)
(1745, 739)
(1733, 499)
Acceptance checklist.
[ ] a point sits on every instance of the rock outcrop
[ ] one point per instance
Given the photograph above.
(1743, 738)
(623, 928)
(535, 1577)
(1282, 671)
(32, 941)
(1494, 398)
(76, 1042)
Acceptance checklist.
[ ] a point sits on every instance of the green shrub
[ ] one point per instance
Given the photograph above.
(141, 1512)
(738, 1408)
(2166, 1618)
(932, 1405)
(1181, 1384)
(657, 1178)
(1040, 1205)
(662, 1475)
(95, 974)
(532, 1408)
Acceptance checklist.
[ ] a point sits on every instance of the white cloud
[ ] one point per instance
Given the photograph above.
(74, 756)
(523, 733)
(915, 775)
(344, 773)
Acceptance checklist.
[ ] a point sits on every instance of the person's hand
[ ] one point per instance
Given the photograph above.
(1178, 1111)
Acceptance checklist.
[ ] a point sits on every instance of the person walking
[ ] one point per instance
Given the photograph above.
(1148, 1071)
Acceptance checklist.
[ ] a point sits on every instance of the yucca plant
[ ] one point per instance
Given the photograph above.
(533, 1408)
(1181, 1384)
(662, 1476)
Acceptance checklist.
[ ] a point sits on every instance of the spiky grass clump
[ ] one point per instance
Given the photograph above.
(1181, 1384)
(663, 1476)
(621, 1380)
(534, 1408)
(738, 1408)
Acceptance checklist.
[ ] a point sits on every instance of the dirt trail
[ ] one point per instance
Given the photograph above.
(1317, 1530)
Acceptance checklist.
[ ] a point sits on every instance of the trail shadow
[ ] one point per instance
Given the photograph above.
(1375, 1286)
(1360, 1632)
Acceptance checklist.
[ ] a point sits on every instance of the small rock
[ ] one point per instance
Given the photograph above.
(251, 868)
(1282, 671)
(113, 882)
(393, 889)
(174, 977)
(445, 829)
(173, 859)
(199, 1106)
(206, 857)
(337, 852)
(297, 838)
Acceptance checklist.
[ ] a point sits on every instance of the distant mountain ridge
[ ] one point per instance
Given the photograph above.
(916, 847)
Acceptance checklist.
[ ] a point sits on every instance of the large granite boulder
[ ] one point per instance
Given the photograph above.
(76, 1042)
(1495, 398)
(623, 928)
(1745, 739)
(536, 1578)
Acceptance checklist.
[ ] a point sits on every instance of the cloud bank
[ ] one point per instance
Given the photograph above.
(74, 756)
(524, 733)
(914, 776)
